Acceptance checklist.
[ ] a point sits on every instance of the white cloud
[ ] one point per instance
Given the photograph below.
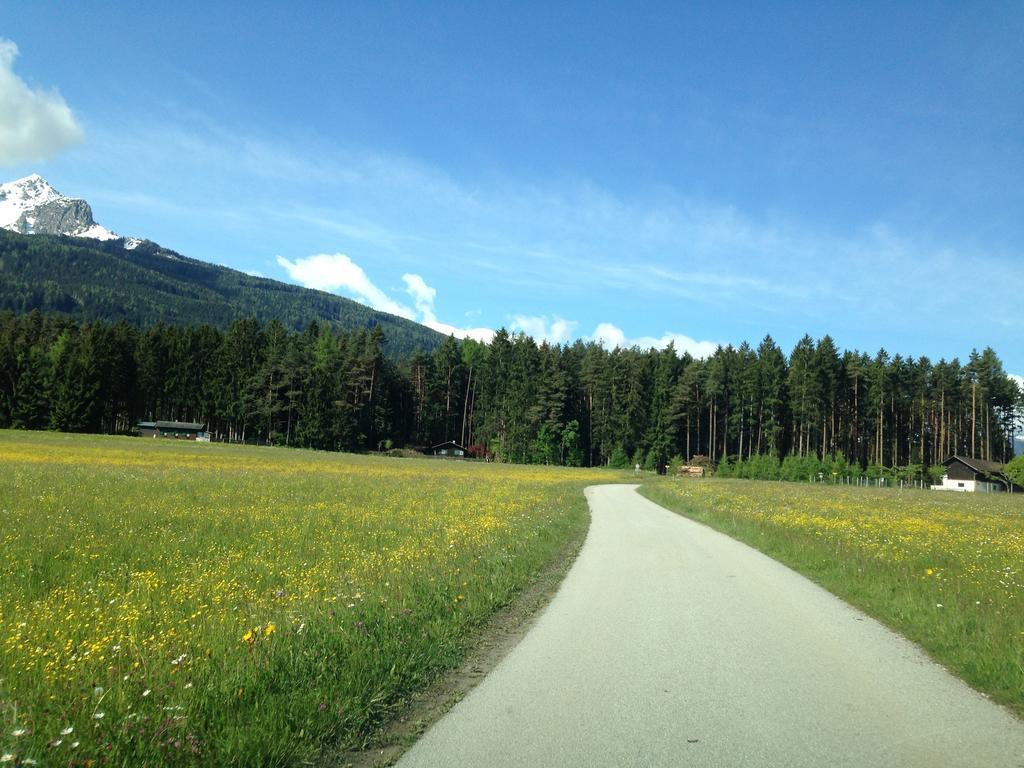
(558, 331)
(682, 342)
(423, 296)
(331, 272)
(336, 271)
(478, 334)
(564, 239)
(34, 125)
(568, 239)
(611, 336)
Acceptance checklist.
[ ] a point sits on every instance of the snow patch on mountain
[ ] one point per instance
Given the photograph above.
(31, 206)
(19, 198)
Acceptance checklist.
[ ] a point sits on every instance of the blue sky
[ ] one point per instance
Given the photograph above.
(631, 172)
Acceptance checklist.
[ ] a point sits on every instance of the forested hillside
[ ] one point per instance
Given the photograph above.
(94, 280)
(578, 404)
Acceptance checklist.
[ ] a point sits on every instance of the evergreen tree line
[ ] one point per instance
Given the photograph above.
(513, 398)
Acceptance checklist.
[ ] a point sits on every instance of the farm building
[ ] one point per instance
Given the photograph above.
(181, 430)
(972, 476)
(450, 449)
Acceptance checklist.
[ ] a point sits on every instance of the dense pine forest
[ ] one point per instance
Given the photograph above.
(512, 399)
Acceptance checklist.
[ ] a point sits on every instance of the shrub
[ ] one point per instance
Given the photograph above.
(619, 459)
(478, 451)
(1015, 470)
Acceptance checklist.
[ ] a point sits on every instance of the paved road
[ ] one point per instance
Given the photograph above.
(671, 645)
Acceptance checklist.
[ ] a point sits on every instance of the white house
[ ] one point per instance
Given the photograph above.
(972, 476)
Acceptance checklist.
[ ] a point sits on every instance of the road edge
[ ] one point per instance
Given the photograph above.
(487, 647)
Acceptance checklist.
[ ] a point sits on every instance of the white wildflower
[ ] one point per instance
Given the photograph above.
(66, 731)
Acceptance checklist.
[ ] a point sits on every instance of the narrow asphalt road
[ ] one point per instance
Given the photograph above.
(669, 644)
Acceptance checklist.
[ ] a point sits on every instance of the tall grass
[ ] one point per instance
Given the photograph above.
(944, 569)
(170, 603)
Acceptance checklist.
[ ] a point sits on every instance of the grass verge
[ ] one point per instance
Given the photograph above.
(171, 603)
(484, 651)
(944, 570)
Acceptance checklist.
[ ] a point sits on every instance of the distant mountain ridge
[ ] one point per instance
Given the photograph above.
(55, 258)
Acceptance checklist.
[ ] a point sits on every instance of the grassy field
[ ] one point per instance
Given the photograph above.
(944, 569)
(174, 603)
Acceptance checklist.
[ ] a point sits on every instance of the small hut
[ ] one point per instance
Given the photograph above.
(177, 430)
(972, 476)
(450, 449)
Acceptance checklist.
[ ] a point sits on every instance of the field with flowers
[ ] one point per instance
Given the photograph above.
(169, 603)
(944, 569)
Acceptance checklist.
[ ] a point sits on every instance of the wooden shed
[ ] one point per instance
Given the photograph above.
(180, 430)
(972, 476)
(451, 449)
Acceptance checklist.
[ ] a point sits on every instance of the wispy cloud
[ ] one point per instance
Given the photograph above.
(557, 330)
(558, 238)
(423, 296)
(611, 336)
(35, 125)
(336, 271)
(477, 334)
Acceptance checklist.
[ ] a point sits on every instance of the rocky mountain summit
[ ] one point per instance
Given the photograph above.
(30, 206)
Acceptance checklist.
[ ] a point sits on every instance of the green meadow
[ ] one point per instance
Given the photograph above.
(171, 603)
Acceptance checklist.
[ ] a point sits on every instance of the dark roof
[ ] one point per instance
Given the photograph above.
(182, 425)
(448, 444)
(978, 465)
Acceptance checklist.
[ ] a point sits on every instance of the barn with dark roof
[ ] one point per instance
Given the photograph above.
(181, 430)
(973, 476)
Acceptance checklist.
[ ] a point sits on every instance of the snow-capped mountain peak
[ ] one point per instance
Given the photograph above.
(31, 206)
